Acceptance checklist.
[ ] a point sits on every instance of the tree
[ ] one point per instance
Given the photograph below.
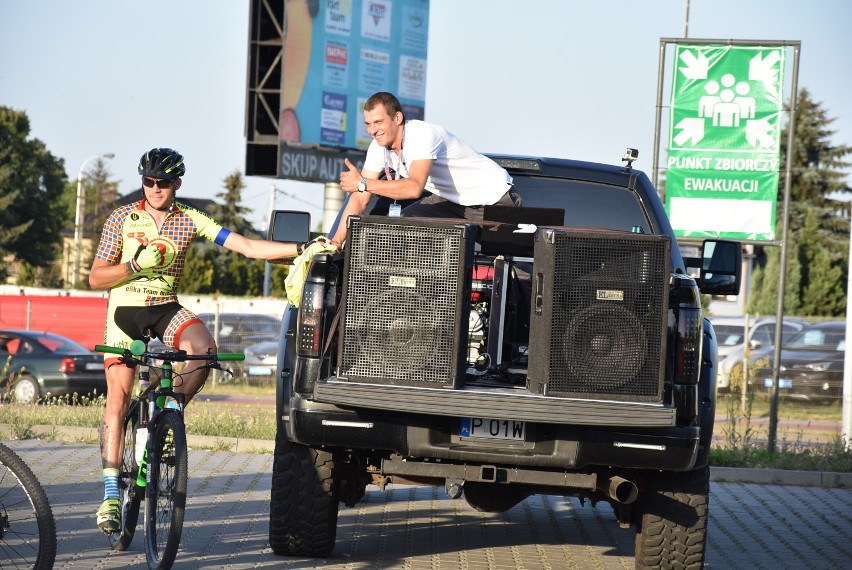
(217, 270)
(199, 275)
(240, 276)
(818, 236)
(31, 186)
(229, 213)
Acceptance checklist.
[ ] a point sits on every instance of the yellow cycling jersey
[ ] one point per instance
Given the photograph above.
(129, 226)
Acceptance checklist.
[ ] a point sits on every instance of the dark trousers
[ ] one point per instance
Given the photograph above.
(434, 206)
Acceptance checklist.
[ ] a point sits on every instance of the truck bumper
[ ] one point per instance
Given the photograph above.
(545, 445)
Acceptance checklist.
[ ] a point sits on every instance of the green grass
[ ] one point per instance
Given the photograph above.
(202, 418)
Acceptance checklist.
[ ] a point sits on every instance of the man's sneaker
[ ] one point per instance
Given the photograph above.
(109, 515)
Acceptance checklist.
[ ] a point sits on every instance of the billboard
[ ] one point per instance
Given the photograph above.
(724, 147)
(336, 54)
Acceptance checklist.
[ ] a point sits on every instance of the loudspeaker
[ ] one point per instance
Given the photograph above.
(599, 315)
(406, 302)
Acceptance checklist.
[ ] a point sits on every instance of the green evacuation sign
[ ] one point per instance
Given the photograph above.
(724, 144)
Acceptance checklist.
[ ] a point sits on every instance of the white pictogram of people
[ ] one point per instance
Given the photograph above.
(728, 103)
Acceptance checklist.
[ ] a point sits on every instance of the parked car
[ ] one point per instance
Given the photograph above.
(239, 330)
(42, 364)
(811, 365)
(260, 362)
(730, 332)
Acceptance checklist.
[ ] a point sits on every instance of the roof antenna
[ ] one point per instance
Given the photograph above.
(630, 155)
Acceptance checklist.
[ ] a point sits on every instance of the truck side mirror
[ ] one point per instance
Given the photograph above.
(721, 267)
(289, 226)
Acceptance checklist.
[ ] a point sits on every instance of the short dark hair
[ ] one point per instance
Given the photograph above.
(387, 100)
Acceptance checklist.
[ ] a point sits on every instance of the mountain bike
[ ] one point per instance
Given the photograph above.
(154, 462)
(27, 527)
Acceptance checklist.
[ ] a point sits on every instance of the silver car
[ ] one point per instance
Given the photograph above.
(730, 335)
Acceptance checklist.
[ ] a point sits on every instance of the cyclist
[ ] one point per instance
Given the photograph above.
(140, 259)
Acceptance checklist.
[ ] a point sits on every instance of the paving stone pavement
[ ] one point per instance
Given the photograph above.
(751, 525)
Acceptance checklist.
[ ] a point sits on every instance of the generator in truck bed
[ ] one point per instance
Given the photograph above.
(557, 348)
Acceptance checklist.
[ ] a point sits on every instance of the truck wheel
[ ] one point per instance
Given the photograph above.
(303, 507)
(491, 498)
(671, 523)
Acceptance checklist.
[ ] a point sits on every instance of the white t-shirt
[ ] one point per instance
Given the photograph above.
(459, 173)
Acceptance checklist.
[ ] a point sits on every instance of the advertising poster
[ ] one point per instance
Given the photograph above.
(336, 54)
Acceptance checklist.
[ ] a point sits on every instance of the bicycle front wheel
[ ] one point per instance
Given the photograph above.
(27, 528)
(131, 495)
(165, 496)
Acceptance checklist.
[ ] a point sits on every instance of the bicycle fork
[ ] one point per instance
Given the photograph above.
(156, 404)
(142, 473)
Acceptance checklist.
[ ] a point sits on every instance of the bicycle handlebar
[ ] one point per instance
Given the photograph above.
(171, 356)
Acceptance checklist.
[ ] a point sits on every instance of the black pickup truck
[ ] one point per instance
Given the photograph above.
(558, 348)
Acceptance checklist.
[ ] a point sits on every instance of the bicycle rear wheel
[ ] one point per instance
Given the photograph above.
(27, 528)
(165, 496)
(131, 494)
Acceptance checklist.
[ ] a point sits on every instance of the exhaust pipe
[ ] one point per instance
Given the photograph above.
(621, 490)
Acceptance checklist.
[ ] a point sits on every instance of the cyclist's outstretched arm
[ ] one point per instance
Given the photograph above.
(260, 248)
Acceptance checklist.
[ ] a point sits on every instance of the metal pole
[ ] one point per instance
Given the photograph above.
(79, 215)
(847, 355)
(267, 268)
(686, 21)
(656, 154)
(333, 201)
(782, 278)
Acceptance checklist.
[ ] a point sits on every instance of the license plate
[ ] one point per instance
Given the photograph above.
(486, 428)
(782, 383)
(94, 366)
(259, 370)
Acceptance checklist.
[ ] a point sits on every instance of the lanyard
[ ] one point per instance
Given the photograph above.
(399, 163)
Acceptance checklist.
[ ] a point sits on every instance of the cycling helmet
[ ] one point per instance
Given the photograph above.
(162, 163)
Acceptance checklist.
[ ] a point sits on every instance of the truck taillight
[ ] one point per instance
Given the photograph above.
(690, 330)
(309, 324)
(67, 366)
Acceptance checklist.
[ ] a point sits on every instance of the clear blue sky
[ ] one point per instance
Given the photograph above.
(547, 77)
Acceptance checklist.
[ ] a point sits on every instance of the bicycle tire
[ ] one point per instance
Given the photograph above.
(165, 495)
(131, 494)
(27, 526)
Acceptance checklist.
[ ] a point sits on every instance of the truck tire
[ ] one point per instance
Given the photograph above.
(304, 503)
(671, 520)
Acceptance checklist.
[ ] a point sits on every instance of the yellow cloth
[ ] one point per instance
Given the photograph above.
(295, 281)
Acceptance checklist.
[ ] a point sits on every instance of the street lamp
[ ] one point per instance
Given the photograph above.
(78, 217)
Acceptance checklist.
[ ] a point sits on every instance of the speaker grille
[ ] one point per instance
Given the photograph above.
(406, 292)
(599, 329)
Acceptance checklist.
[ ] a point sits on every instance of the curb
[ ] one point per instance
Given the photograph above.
(825, 479)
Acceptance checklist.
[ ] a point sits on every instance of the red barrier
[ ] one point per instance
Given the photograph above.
(78, 318)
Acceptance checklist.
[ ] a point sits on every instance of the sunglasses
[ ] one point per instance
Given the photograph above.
(150, 182)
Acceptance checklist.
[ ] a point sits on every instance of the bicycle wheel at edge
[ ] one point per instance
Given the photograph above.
(131, 495)
(165, 495)
(27, 527)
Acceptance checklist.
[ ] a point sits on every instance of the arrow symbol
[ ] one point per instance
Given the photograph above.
(691, 129)
(760, 69)
(758, 132)
(696, 67)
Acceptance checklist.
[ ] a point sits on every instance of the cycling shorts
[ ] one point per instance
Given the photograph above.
(166, 322)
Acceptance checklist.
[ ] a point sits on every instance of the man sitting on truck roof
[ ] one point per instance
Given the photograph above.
(417, 156)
